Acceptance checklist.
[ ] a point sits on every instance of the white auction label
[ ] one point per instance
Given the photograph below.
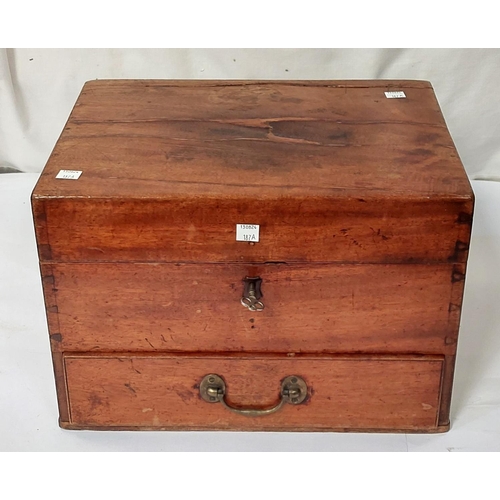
(69, 174)
(247, 232)
(395, 95)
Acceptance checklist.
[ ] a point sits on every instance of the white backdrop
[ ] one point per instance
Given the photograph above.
(38, 87)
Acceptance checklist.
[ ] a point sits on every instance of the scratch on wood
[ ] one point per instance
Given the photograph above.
(184, 393)
(130, 388)
(149, 343)
(133, 367)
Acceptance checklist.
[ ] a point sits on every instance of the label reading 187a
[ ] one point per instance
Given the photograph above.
(395, 95)
(69, 174)
(247, 232)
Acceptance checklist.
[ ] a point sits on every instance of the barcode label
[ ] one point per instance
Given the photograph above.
(69, 174)
(395, 95)
(247, 232)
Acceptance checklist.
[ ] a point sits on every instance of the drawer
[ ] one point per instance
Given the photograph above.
(308, 308)
(341, 392)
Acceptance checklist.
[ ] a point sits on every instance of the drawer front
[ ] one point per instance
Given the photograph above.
(308, 308)
(343, 392)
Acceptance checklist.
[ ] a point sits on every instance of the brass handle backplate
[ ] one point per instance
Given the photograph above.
(293, 391)
(252, 294)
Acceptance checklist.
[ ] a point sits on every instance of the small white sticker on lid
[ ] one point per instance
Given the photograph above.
(247, 232)
(395, 95)
(69, 174)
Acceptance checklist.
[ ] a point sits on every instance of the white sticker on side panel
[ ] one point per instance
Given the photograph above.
(69, 174)
(395, 95)
(247, 232)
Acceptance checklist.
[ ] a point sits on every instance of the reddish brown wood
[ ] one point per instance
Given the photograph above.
(259, 137)
(366, 178)
(344, 392)
(126, 101)
(446, 390)
(41, 229)
(454, 314)
(258, 168)
(369, 229)
(365, 214)
(61, 386)
(308, 308)
(400, 430)
(51, 309)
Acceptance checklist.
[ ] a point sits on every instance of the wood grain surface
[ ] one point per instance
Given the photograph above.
(344, 392)
(331, 171)
(308, 308)
(365, 215)
(369, 230)
(143, 139)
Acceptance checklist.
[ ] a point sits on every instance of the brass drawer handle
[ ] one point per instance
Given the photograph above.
(293, 391)
(252, 294)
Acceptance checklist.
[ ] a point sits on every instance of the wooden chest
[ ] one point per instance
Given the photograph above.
(246, 255)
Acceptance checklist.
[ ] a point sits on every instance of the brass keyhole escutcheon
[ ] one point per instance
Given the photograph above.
(252, 294)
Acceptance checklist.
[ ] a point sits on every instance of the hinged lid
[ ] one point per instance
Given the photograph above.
(329, 171)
